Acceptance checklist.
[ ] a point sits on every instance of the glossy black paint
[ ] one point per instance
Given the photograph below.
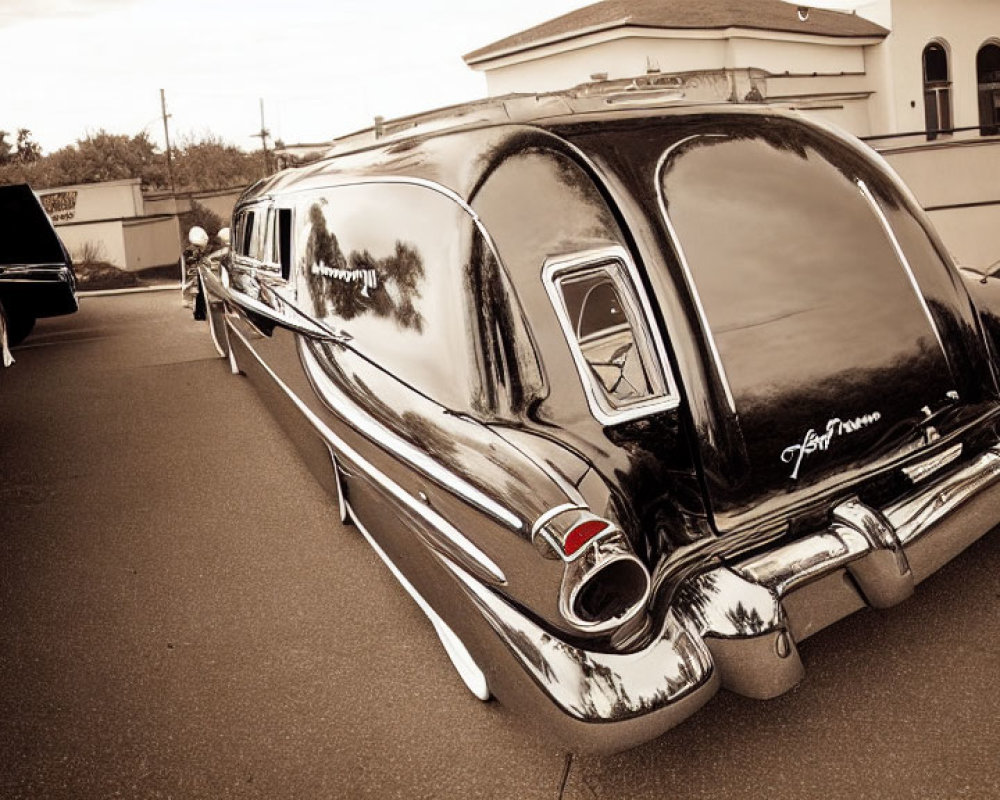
(427, 361)
(741, 451)
(573, 183)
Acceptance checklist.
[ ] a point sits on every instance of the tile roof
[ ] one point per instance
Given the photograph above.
(770, 15)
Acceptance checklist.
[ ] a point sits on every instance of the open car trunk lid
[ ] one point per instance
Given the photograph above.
(842, 340)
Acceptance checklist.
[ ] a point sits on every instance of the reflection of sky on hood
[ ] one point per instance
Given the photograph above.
(797, 275)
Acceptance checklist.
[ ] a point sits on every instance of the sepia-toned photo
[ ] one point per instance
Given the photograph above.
(502, 400)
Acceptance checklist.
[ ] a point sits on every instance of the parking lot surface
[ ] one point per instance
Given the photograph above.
(182, 615)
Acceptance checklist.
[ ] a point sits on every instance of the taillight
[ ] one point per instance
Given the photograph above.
(584, 533)
(569, 529)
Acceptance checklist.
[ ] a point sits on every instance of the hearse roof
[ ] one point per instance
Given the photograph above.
(456, 147)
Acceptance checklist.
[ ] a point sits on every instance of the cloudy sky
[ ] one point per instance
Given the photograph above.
(322, 67)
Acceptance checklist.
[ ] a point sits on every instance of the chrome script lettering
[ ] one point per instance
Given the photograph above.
(368, 278)
(814, 441)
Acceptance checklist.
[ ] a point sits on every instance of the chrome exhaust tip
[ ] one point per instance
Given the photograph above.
(607, 587)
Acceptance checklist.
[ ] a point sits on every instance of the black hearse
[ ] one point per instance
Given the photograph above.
(633, 397)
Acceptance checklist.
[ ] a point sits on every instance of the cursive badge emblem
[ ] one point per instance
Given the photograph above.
(814, 441)
(368, 278)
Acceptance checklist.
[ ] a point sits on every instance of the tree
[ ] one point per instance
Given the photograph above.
(104, 156)
(203, 217)
(28, 150)
(210, 163)
(100, 156)
(203, 164)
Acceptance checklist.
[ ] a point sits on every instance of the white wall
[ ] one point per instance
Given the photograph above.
(106, 237)
(964, 25)
(619, 58)
(220, 202)
(972, 235)
(93, 201)
(945, 174)
(849, 114)
(952, 174)
(151, 242)
(795, 57)
(624, 55)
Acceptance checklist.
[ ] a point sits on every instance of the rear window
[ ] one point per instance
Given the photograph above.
(796, 273)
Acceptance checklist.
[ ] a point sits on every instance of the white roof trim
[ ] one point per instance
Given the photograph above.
(588, 37)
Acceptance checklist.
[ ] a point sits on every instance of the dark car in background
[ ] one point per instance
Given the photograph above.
(36, 274)
(632, 400)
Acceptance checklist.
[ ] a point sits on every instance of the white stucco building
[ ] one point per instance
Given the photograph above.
(109, 222)
(893, 67)
(919, 79)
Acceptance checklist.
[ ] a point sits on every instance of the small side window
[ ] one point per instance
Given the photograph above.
(257, 225)
(285, 241)
(246, 234)
(602, 317)
(269, 245)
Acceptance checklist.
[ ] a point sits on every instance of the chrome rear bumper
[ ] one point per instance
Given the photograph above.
(738, 625)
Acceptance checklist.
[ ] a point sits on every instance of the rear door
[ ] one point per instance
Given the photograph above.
(842, 342)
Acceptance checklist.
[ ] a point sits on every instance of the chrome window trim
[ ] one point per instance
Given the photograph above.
(13, 270)
(665, 396)
(422, 510)
(451, 194)
(267, 212)
(692, 288)
(245, 262)
(404, 450)
(901, 256)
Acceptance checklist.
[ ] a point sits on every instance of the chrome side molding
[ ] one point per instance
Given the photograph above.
(468, 670)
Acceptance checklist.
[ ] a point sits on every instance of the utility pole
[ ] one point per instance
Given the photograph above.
(262, 135)
(166, 137)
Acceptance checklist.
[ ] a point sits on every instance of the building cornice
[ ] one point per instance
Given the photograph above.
(601, 34)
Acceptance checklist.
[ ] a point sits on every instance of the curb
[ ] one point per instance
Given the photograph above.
(172, 287)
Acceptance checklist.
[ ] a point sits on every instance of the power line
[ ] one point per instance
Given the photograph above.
(262, 135)
(166, 136)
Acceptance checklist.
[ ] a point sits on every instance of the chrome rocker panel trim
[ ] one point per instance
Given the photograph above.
(472, 676)
(338, 445)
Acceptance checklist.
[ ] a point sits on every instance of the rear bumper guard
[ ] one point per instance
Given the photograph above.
(738, 625)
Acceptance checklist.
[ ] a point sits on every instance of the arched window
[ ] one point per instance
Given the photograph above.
(937, 90)
(988, 77)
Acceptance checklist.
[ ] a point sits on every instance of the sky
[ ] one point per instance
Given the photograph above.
(322, 67)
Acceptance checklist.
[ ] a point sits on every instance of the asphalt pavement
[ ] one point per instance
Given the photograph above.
(182, 616)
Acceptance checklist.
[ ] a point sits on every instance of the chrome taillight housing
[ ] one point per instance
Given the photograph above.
(604, 584)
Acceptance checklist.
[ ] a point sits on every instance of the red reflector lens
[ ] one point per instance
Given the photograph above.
(583, 533)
